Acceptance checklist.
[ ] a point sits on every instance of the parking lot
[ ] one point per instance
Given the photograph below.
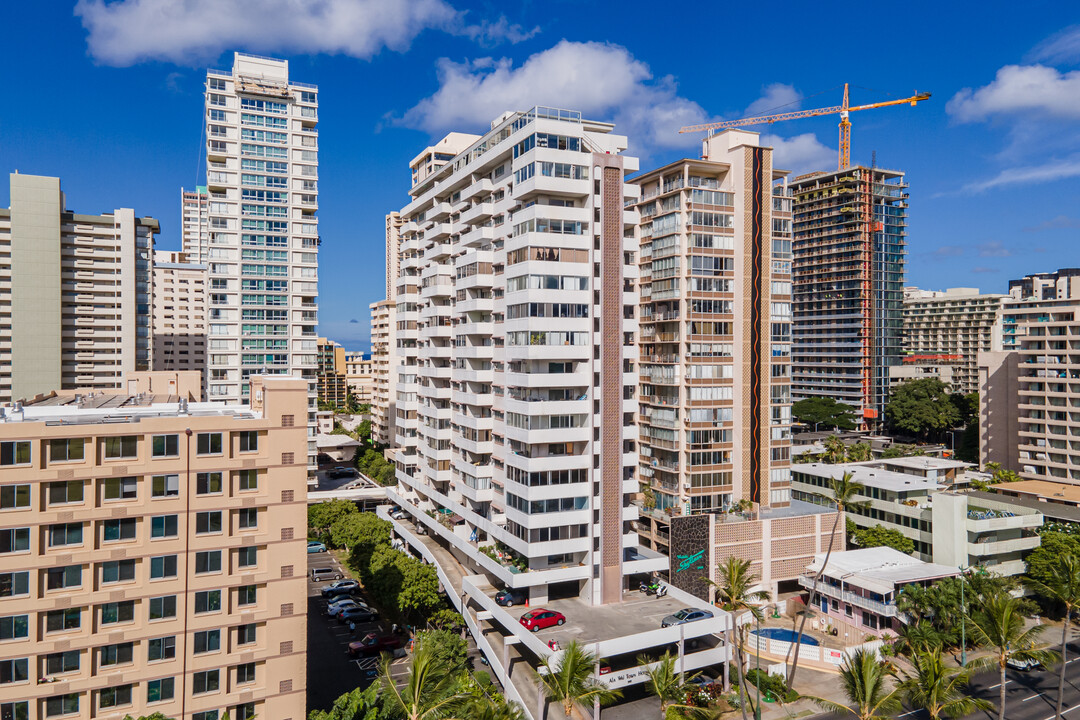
(330, 671)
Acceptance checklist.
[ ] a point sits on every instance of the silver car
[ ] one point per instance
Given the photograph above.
(684, 616)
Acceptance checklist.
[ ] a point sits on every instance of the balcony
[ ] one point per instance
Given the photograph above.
(881, 608)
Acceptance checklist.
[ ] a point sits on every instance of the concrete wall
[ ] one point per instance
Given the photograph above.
(999, 426)
(949, 529)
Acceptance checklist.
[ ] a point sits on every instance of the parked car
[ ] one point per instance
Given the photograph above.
(1017, 664)
(510, 598)
(325, 573)
(541, 618)
(374, 644)
(340, 600)
(336, 610)
(341, 472)
(357, 614)
(397, 513)
(316, 547)
(341, 587)
(684, 616)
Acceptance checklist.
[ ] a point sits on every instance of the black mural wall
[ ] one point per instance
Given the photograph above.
(691, 554)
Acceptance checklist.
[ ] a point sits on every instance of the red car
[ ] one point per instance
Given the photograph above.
(373, 644)
(540, 618)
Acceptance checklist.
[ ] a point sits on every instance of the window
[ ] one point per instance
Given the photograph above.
(118, 612)
(204, 715)
(13, 497)
(245, 711)
(208, 522)
(207, 601)
(61, 493)
(158, 690)
(249, 441)
(248, 518)
(17, 711)
(14, 540)
(245, 673)
(65, 534)
(216, 83)
(246, 595)
(208, 561)
(246, 634)
(166, 445)
(204, 682)
(121, 488)
(162, 566)
(14, 627)
(163, 526)
(165, 485)
(247, 557)
(13, 584)
(114, 696)
(62, 662)
(60, 578)
(208, 483)
(207, 641)
(116, 571)
(16, 452)
(163, 648)
(247, 480)
(118, 654)
(121, 529)
(162, 607)
(60, 620)
(125, 446)
(13, 671)
(208, 444)
(62, 705)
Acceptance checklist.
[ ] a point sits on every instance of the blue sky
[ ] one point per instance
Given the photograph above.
(108, 97)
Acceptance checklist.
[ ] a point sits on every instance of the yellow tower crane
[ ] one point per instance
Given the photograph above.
(845, 124)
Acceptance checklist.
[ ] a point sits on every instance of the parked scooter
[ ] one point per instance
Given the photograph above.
(654, 587)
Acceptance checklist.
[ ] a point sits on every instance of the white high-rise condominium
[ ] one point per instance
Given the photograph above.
(262, 168)
(515, 405)
(195, 223)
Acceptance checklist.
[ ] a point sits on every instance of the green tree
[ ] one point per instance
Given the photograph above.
(366, 529)
(419, 595)
(923, 408)
(824, 413)
(448, 647)
(487, 708)
(901, 450)
(152, 716)
(1063, 587)
(387, 475)
(322, 516)
(432, 690)
(938, 688)
(842, 493)
(967, 405)
(865, 680)
(880, 536)
(571, 681)
(446, 619)
(998, 623)
(358, 704)
(859, 452)
(836, 451)
(734, 594)
(1043, 559)
(665, 683)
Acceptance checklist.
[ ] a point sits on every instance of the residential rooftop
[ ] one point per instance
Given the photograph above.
(881, 569)
(870, 476)
(926, 463)
(1052, 491)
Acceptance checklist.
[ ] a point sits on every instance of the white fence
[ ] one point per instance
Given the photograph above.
(813, 653)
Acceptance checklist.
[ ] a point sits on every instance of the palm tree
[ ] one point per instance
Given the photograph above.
(431, 691)
(859, 452)
(734, 595)
(485, 708)
(918, 637)
(842, 494)
(865, 681)
(665, 683)
(572, 682)
(938, 688)
(835, 450)
(1062, 585)
(998, 623)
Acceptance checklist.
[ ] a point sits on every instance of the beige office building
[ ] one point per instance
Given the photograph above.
(359, 376)
(179, 313)
(154, 553)
(944, 332)
(74, 293)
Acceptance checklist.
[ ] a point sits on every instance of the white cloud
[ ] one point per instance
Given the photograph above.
(1047, 172)
(801, 153)
(1061, 222)
(993, 248)
(602, 80)
(1020, 89)
(1060, 48)
(775, 98)
(190, 32)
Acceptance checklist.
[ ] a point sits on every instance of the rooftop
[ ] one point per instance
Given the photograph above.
(1052, 491)
(881, 569)
(795, 509)
(1052, 510)
(926, 463)
(100, 407)
(870, 476)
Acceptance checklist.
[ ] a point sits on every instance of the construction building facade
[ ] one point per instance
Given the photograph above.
(849, 230)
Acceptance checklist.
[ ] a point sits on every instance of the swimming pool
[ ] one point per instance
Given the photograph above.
(785, 635)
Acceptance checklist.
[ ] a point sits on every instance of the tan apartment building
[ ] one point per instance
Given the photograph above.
(385, 361)
(153, 553)
(74, 292)
(359, 377)
(944, 332)
(331, 376)
(179, 313)
(715, 366)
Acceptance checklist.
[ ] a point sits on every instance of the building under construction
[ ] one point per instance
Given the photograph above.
(849, 230)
